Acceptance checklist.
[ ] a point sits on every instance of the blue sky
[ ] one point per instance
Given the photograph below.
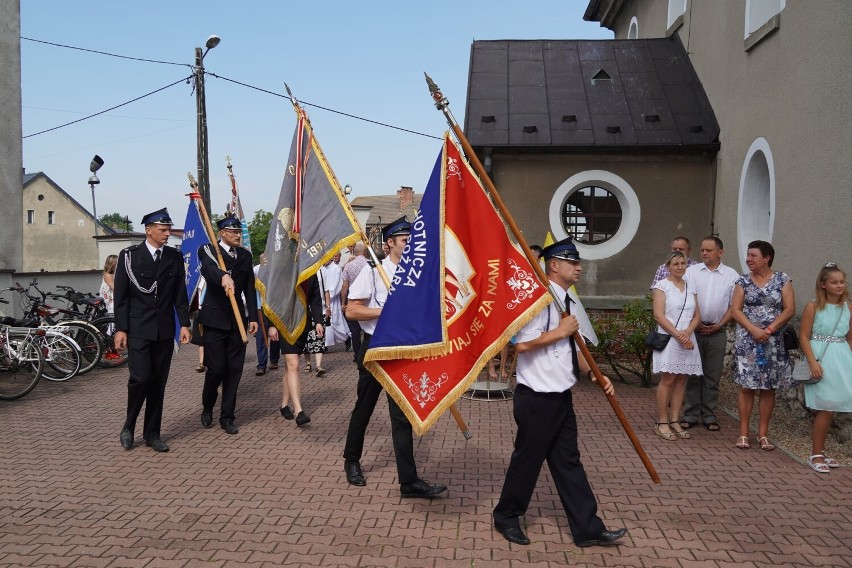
(365, 59)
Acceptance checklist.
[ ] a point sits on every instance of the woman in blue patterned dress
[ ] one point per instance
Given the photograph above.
(825, 336)
(762, 304)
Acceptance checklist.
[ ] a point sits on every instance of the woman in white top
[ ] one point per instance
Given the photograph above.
(108, 282)
(676, 313)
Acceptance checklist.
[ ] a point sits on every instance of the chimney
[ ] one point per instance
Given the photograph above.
(406, 197)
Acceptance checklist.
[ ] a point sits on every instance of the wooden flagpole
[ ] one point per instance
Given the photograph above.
(212, 236)
(453, 408)
(442, 104)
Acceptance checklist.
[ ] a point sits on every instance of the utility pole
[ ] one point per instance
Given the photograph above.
(201, 106)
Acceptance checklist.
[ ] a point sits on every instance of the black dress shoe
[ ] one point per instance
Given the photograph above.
(604, 539)
(287, 413)
(157, 444)
(229, 427)
(513, 534)
(207, 418)
(354, 473)
(302, 418)
(126, 438)
(421, 488)
(260, 371)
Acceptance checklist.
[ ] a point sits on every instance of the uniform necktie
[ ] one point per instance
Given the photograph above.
(157, 258)
(574, 361)
(233, 254)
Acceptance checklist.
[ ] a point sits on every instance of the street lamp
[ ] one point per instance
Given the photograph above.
(94, 166)
(201, 105)
(347, 189)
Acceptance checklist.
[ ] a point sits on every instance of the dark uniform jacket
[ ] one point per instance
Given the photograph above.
(216, 310)
(150, 316)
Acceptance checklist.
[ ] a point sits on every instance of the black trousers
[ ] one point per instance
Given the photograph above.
(224, 355)
(355, 332)
(149, 363)
(547, 430)
(369, 390)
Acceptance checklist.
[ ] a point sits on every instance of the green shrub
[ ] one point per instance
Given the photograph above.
(621, 340)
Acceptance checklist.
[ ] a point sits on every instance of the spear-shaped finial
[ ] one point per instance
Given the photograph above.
(230, 167)
(289, 92)
(441, 101)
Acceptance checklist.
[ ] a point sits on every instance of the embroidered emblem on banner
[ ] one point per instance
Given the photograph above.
(458, 291)
(454, 170)
(423, 390)
(523, 283)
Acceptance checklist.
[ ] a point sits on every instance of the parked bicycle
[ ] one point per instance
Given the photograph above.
(85, 334)
(21, 361)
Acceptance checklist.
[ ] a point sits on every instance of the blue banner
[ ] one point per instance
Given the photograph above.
(414, 314)
(194, 236)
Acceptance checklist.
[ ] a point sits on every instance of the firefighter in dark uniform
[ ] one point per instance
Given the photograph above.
(224, 350)
(150, 288)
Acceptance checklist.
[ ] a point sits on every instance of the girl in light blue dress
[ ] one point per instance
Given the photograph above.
(825, 337)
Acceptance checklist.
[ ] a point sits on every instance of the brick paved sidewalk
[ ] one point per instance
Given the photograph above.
(275, 495)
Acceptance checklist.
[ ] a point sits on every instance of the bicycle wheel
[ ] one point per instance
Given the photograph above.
(21, 365)
(112, 357)
(88, 338)
(63, 358)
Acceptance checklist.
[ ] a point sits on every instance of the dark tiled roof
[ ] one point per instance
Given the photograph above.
(579, 94)
(385, 208)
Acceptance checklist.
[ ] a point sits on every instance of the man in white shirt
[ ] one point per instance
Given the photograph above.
(549, 364)
(679, 244)
(714, 283)
(367, 296)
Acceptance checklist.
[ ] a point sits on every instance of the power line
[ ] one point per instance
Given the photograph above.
(109, 109)
(104, 52)
(305, 103)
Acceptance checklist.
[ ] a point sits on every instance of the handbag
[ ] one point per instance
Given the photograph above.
(658, 340)
(801, 369)
(791, 339)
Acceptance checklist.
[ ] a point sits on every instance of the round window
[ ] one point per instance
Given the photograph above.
(598, 209)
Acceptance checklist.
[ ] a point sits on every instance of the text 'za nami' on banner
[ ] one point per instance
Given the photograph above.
(461, 290)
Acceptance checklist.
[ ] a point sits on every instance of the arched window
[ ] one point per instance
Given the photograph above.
(633, 30)
(756, 204)
(598, 209)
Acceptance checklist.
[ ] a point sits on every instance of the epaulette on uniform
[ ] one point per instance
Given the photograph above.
(131, 248)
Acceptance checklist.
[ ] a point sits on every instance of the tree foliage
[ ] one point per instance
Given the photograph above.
(117, 221)
(258, 232)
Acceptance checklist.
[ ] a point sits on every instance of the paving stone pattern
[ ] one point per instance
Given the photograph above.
(275, 494)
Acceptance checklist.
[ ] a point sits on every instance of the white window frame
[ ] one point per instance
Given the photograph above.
(756, 201)
(51, 217)
(627, 199)
(30, 216)
(758, 12)
(677, 8)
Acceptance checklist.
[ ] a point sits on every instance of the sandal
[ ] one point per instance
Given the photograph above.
(765, 444)
(742, 443)
(819, 467)
(679, 433)
(320, 371)
(200, 369)
(307, 367)
(664, 435)
(831, 462)
(713, 426)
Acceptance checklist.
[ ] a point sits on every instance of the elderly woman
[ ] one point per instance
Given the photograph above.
(763, 302)
(676, 313)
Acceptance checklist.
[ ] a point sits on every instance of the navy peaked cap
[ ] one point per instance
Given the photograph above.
(160, 217)
(399, 227)
(563, 249)
(229, 222)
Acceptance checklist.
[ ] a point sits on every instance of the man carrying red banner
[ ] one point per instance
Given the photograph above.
(548, 366)
(367, 296)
